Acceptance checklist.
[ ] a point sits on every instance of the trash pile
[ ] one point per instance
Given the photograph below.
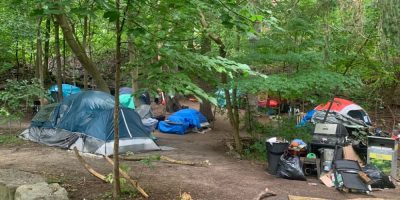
(340, 167)
(336, 155)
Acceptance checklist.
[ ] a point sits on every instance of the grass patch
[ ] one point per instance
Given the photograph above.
(126, 194)
(10, 139)
(51, 180)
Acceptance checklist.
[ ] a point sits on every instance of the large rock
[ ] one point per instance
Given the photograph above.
(41, 191)
(11, 179)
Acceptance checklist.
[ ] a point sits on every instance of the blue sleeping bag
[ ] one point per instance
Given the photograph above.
(180, 121)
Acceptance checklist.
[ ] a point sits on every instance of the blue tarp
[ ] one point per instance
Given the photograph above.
(306, 118)
(66, 88)
(180, 121)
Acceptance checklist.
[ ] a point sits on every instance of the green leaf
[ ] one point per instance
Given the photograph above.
(256, 18)
(112, 16)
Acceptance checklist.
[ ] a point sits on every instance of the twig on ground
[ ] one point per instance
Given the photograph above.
(182, 162)
(169, 160)
(87, 166)
(265, 194)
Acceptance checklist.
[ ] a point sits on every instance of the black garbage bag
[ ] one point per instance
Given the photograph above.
(290, 168)
(380, 180)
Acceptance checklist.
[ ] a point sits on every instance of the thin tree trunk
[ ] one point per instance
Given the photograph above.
(38, 61)
(205, 106)
(135, 70)
(84, 45)
(64, 61)
(236, 119)
(46, 77)
(58, 60)
(80, 53)
(31, 58)
(16, 57)
(233, 116)
(39, 64)
(117, 184)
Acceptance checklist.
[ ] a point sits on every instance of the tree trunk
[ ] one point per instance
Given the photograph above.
(232, 115)
(205, 107)
(117, 184)
(31, 58)
(251, 111)
(236, 119)
(38, 59)
(39, 64)
(58, 60)
(84, 45)
(135, 70)
(16, 57)
(80, 53)
(46, 76)
(64, 60)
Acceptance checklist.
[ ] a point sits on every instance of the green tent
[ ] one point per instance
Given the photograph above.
(126, 101)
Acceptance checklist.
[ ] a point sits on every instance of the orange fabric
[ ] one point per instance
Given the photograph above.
(338, 105)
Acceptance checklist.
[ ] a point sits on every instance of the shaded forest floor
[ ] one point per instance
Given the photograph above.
(226, 178)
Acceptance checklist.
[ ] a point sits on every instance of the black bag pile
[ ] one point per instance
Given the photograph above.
(289, 167)
(380, 180)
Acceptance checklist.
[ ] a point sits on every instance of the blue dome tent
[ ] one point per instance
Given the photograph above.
(85, 120)
(66, 88)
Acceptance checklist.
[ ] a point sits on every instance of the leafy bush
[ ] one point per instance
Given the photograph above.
(283, 127)
(17, 93)
(256, 151)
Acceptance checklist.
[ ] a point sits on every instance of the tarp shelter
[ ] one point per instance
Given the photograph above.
(182, 121)
(147, 115)
(344, 112)
(66, 88)
(85, 120)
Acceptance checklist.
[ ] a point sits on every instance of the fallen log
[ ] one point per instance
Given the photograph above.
(168, 160)
(87, 166)
(125, 175)
(182, 162)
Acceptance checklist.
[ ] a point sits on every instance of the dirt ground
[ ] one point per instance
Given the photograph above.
(226, 178)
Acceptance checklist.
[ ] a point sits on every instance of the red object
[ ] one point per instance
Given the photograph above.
(301, 153)
(192, 99)
(338, 105)
(268, 103)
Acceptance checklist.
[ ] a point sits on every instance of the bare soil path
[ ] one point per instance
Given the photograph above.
(226, 178)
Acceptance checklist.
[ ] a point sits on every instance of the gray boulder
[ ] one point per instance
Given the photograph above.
(41, 191)
(11, 179)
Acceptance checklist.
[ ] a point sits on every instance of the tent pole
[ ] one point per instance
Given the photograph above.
(327, 112)
(126, 125)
